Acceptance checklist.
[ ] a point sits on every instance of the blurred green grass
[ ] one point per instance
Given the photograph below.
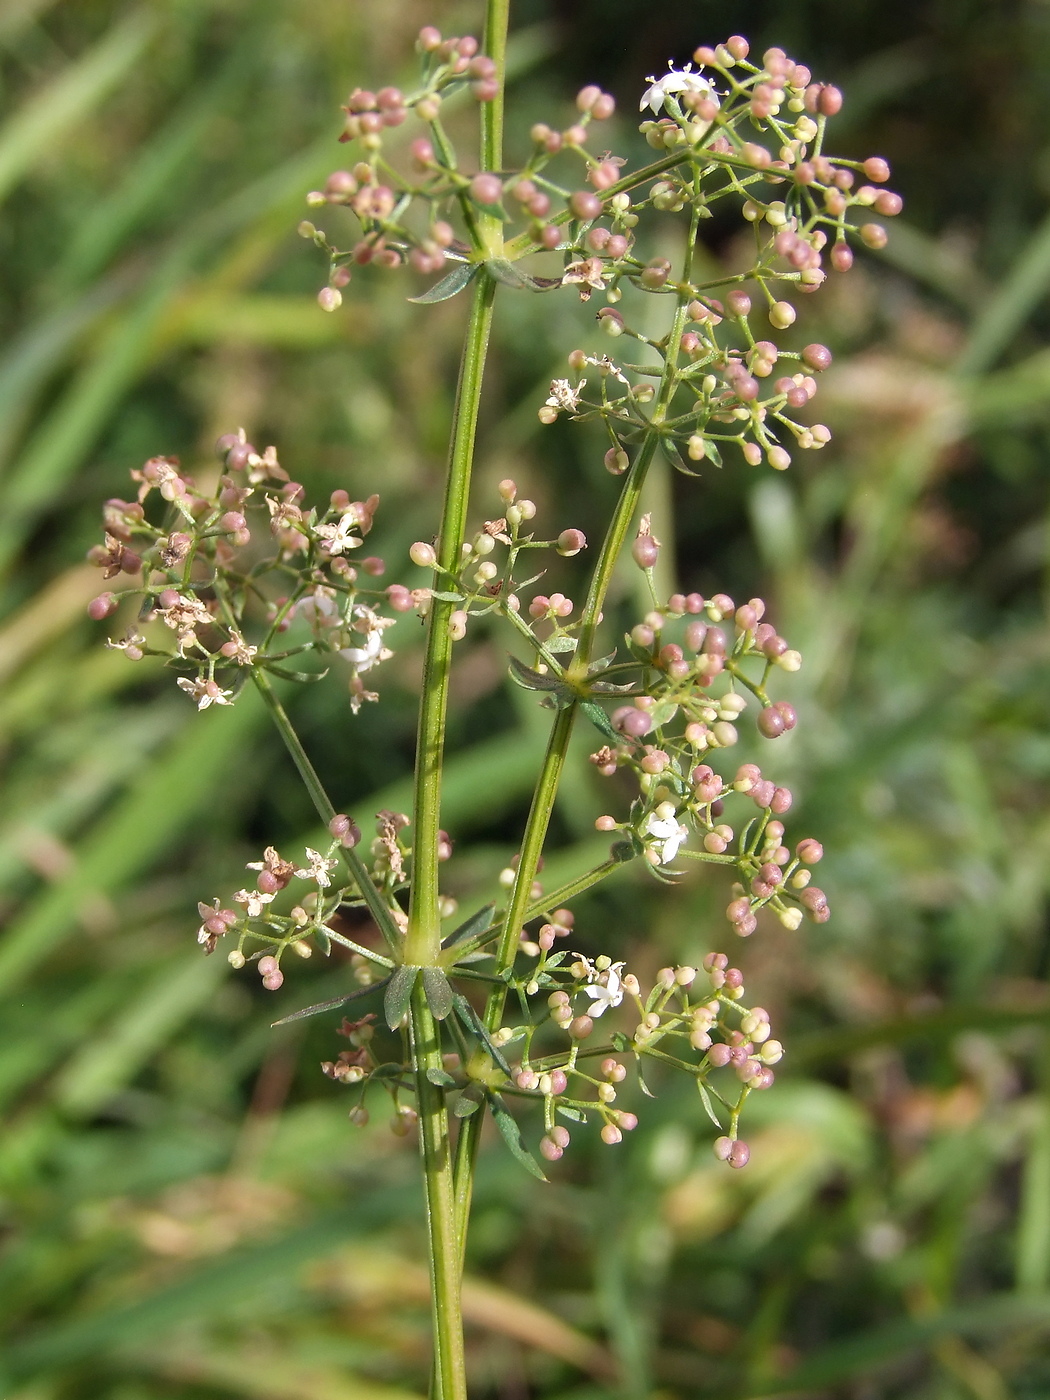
(184, 1211)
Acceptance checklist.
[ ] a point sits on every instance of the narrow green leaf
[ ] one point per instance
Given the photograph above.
(560, 644)
(600, 720)
(574, 1115)
(440, 1077)
(450, 285)
(705, 1099)
(467, 1103)
(320, 1006)
(511, 1135)
(530, 679)
(477, 923)
(712, 452)
(287, 674)
(476, 1026)
(602, 664)
(512, 276)
(399, 994)
(438, 992)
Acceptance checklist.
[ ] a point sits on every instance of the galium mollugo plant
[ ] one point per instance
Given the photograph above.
(246, 581)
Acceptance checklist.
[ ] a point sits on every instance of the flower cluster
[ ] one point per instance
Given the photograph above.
(691, 1020)
(666, 703)
(246, 559)
(734, 129)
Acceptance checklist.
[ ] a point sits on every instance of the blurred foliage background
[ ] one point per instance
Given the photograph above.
(184, 1209)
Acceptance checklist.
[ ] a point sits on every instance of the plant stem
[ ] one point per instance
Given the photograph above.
(561, 732)
(377, 905)
(423, 940)
(449, 1370)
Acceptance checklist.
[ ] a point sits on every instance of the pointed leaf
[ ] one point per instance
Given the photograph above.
(712, 453)
(287, 674)
(440, 1077)
(476, 1026)
(559, 644)
(600, 720)
(438, 992)
(467, 1103)
(450, 285)
(609, 688)
(705, 1098)
(399, 994)
(477, 923)
(320, 1006)
(447, 597)
(530, 679)
(601, 664)
(574, 1115)
(673, 455)
(511, 1135)
(512, 276)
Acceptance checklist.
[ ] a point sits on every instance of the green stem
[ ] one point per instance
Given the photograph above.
(377, 905)
(423, 941)
(435, 1147)
(561, 732)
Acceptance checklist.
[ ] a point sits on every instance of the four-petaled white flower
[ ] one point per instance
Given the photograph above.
(677, 80)
(564, 397)
(339, 537)
(254, 901)
(667, 832)
(372, 651)
(205, 692)
(605, 990)
(317, 869)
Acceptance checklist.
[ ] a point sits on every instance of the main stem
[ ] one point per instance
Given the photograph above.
(423, 938)
(561, 732)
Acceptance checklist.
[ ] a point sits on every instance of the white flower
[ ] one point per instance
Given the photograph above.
(340, 537)
(253, 900)
(564, 397)
(205, 692)
(317, 869)
(668, 833)
(184, 616)
(364, 657)
(605, 990)
(677, 80)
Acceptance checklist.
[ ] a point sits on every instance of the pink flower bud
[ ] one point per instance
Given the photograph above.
(645, 551)
(423, 554)
(739, 1154)
(585, 205)
(570, 542)
(102, 607)
(771, 722)
(486, 189)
